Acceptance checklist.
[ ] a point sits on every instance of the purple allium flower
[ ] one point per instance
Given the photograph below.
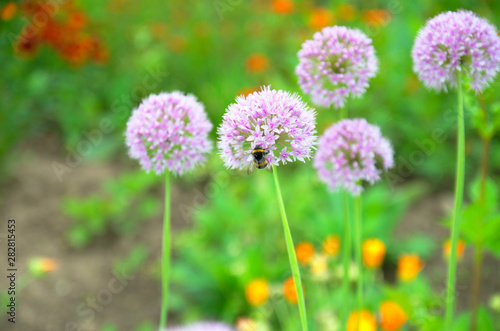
(352, 151)
(169, 131)
(336, 63)
(277, 121)
(454, 41)
(204, 326)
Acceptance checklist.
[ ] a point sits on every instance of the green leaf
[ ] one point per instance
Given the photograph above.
(490, 194)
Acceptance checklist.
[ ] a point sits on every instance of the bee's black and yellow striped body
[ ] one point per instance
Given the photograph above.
(259, 159)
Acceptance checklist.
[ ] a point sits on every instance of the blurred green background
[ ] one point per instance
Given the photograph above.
(71, 77)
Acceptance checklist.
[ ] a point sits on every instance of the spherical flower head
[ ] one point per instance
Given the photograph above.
(373, 253)
(350, 152)
(392, 316)
(203, 326)
(455, 41)
(337, 63)
(257, 292)
(277, 121)
(169, 131)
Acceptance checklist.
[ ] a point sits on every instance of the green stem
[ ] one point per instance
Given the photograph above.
(291, 255)
(478, 256)
(346, 256)
(165, 262)
(358, 229)
(457, 212)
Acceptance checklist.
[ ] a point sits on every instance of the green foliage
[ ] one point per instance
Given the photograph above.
(481, 218)
(120, 206)
(215, 265)
(131, 263)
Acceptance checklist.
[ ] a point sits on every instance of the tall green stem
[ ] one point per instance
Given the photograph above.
(165, 262)
(358, 229)
(291, 255)
(346, 256)
(457, 212)
(478, 256)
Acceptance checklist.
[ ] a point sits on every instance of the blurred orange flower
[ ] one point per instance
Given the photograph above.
(373, 253)
(257, 63)
(282, 6)
(77, 20)
(346, 12)
(447, 248)
(321, 17)
(159, 30)
(63, 31)
(331, 245)
(305, 252)
(392, 316)
(8, 11)
(257, 292)
(177, 43)
(247, 90)
(289, 290)
(376, 17)
(364, 318)
(409, 265)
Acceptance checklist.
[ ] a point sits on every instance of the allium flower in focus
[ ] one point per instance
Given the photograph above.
(350, 152)
(169, 131)
(277, 121)
(203, 326)
(454, 41)
(335, 64)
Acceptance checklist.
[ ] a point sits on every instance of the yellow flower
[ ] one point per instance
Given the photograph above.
(373, 253)
(409, 266)
(392, 316)
(331, 245)
(319, 266)
(365, 319)
(447, 248)
(257, 292)
(305, 252)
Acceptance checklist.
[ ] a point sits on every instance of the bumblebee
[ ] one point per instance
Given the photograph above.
(259, 160)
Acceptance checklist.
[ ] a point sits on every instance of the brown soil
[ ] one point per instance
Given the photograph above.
(32, 196)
